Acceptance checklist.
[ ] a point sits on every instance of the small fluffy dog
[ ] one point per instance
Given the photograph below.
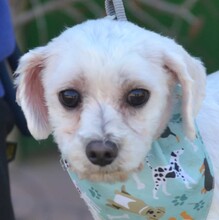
(104, 89)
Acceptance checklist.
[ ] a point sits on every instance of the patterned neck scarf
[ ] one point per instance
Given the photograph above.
(176, 182)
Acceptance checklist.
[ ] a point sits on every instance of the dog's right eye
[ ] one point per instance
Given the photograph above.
(69, 98)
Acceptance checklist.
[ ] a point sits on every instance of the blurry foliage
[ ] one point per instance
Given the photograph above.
(193, 23)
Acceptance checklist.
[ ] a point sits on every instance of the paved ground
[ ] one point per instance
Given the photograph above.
(41, 190)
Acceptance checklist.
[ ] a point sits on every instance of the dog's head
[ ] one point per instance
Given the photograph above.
(104, 89)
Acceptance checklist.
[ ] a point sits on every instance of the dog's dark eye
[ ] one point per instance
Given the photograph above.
(69, 98)
(138, 97)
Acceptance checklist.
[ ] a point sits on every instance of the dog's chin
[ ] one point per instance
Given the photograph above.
(111, 176)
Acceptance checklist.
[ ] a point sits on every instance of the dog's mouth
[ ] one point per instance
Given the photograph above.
(103, 174)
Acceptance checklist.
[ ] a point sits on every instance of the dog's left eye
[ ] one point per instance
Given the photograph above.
(69, 98)
(138, 97)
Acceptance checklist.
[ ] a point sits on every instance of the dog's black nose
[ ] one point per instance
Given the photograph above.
(101, 153)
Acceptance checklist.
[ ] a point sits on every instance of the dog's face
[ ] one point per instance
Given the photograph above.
(104, 89)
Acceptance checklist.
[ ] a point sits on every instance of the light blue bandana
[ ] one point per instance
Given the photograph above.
(176, 182)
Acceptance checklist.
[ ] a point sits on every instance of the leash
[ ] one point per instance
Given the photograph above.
(115, 9)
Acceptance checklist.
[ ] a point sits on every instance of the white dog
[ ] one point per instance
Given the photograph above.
(104, 89)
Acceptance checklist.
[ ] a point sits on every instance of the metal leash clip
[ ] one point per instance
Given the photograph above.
(64, 164)
(115, 9)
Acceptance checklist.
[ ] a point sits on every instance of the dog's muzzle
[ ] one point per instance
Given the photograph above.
(101, 153)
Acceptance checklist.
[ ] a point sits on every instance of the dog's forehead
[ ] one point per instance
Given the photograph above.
(105, 73)
(101, 54)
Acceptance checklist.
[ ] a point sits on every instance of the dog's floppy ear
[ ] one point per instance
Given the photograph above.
(191, 75)
(30, 92)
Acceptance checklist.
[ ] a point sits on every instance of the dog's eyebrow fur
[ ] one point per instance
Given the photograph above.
(79, 83)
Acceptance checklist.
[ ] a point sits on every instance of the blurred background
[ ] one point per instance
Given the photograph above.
(41, 189)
